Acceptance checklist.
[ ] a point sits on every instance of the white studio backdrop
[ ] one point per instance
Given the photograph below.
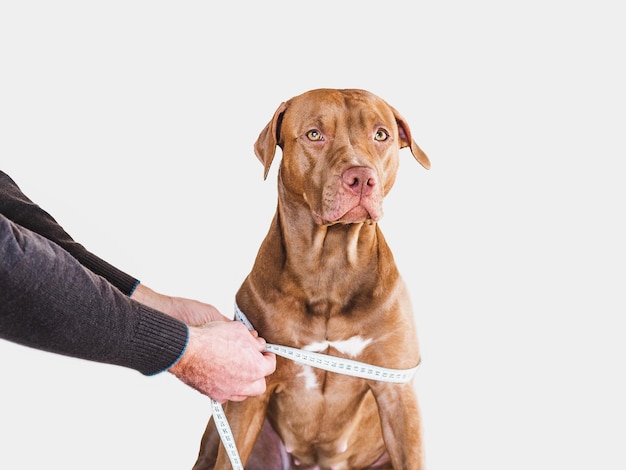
(133, 123)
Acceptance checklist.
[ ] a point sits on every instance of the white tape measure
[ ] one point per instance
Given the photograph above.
(339, 365)
(226, 435)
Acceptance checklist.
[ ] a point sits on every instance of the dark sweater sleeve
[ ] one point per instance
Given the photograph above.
(49, 301)
(21, 210)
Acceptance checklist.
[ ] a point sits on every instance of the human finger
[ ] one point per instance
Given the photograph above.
(261, 344)
(269, 362)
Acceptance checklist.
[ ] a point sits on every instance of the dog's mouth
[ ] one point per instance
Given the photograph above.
(354, 215)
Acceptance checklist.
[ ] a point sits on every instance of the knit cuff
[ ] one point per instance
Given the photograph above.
(118, 278)
(159, 342)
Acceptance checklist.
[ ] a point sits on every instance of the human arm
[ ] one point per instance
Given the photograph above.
(49, 301)
(223, 360)
(20, 209)
(16, 206)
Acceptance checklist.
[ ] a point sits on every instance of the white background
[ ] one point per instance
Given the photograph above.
(132, 122)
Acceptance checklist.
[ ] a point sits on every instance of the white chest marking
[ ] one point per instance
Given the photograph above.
(310, 379)
(351, 346)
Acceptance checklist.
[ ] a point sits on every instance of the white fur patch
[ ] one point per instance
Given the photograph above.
(351, 346)
(310, 380)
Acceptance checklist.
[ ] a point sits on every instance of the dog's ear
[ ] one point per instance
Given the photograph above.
(407, 141)
(269, 138)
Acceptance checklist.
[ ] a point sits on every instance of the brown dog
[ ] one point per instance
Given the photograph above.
(325, 280)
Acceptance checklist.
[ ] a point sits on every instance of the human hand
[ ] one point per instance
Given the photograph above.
(225, 361)
(190, 311)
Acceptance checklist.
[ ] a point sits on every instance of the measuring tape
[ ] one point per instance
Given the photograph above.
(226, 435)
(339, 365)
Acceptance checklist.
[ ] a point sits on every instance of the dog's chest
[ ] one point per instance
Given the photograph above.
(319, 414)
(351, 348)
(314, 389)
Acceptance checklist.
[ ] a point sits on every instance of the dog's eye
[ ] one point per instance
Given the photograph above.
(314, 134)
(381, 135)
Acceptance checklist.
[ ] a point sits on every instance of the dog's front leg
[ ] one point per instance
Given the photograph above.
(246, 420)
(401, 424)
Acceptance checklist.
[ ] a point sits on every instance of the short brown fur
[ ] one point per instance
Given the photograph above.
(324, 273)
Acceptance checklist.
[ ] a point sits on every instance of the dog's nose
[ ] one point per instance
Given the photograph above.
(360, 179)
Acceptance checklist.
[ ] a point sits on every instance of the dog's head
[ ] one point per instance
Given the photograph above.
(340, 152)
